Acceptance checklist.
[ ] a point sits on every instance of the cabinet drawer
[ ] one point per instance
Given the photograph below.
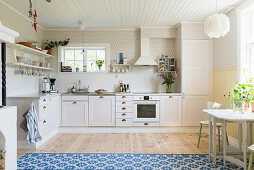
(124, 109)
(124, 115)
(145, 124)
(124, 98)
(44, 101)
(124, 103)
(74, 98)
(124, 122)
(43, 112)
(43, 127)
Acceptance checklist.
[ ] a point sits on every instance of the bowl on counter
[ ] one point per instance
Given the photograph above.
(101, 91)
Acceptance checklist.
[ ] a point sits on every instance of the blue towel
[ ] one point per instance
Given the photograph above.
(33, 134)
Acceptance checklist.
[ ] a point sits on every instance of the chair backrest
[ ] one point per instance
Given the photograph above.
(214, 105)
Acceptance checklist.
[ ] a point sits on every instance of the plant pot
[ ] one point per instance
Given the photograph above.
(49, 51)
(252, 106)
(169, 88)
(238, 107)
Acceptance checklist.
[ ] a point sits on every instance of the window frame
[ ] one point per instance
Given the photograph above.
(61, 55)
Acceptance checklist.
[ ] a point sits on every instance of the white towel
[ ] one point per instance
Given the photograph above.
(33, 134)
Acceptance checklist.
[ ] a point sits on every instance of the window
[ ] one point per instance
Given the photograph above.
(84, 59)
(247, 43)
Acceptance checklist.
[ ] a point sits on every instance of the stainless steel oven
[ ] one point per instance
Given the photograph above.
(146, 109)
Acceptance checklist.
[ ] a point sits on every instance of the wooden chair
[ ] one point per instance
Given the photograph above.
(213, 105)
(251, 148)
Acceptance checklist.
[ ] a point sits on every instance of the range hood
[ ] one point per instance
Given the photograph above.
(145, 59)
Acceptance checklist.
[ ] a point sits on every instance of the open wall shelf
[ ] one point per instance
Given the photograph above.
(29, 50)
(29, 66)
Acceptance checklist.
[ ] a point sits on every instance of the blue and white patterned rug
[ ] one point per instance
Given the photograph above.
(117, 161)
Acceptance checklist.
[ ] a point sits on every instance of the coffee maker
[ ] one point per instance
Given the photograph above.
(52, 86)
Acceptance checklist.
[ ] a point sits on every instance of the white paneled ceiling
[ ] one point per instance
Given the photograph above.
(119, 13)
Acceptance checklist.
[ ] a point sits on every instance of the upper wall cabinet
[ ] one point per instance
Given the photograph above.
(196, 67)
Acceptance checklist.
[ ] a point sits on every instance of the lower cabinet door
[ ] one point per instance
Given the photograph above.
(192, 110)
(102, 111)
(170, 110)
(74, 113)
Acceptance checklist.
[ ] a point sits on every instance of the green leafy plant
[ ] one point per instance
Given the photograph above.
(99, 63)
(242, 92)
(52, 44)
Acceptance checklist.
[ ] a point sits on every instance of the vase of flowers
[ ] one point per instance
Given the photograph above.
(241, 95)
(169, 79)
(99, 63)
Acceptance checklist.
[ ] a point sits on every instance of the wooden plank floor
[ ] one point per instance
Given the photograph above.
(146, 143)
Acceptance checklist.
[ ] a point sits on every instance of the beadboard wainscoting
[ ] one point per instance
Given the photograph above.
(223, 81)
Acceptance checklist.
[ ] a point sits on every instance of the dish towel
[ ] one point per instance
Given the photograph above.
(33, 134)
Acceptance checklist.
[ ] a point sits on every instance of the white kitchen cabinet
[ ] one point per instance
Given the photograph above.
(192, 110)
(74, 113)
(48, 109)
(102, 111)
(124, 110)
(170, 110)
(196, 67)
(49, 114)
(54, 112)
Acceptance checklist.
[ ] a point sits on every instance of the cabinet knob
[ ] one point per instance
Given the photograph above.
(171, 97)
(124, 114)
(44, 121)
(123, 97)
(74, 102)
(101, 97)
(124, 120)
(44, 100)
(44, 107)
(146, 124)
(124, 108)
(123, 102)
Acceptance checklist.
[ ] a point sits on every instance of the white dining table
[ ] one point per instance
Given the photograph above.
(224, 116)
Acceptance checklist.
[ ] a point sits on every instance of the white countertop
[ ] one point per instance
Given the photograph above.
(36, 95)
(149, 94)
(229, 114)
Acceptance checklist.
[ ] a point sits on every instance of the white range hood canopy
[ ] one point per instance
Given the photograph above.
(145, 59)
(7, 35)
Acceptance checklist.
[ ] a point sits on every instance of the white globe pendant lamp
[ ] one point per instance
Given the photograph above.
(217, 25)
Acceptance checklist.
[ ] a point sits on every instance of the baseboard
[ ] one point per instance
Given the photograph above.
(131, 130)
(23, 144)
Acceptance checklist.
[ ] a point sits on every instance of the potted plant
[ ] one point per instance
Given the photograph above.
(251, 94)
(241, 96)
(99, 63)
(49, 45)
(169, 78)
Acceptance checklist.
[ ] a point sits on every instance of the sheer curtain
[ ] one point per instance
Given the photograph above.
(246, 39)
